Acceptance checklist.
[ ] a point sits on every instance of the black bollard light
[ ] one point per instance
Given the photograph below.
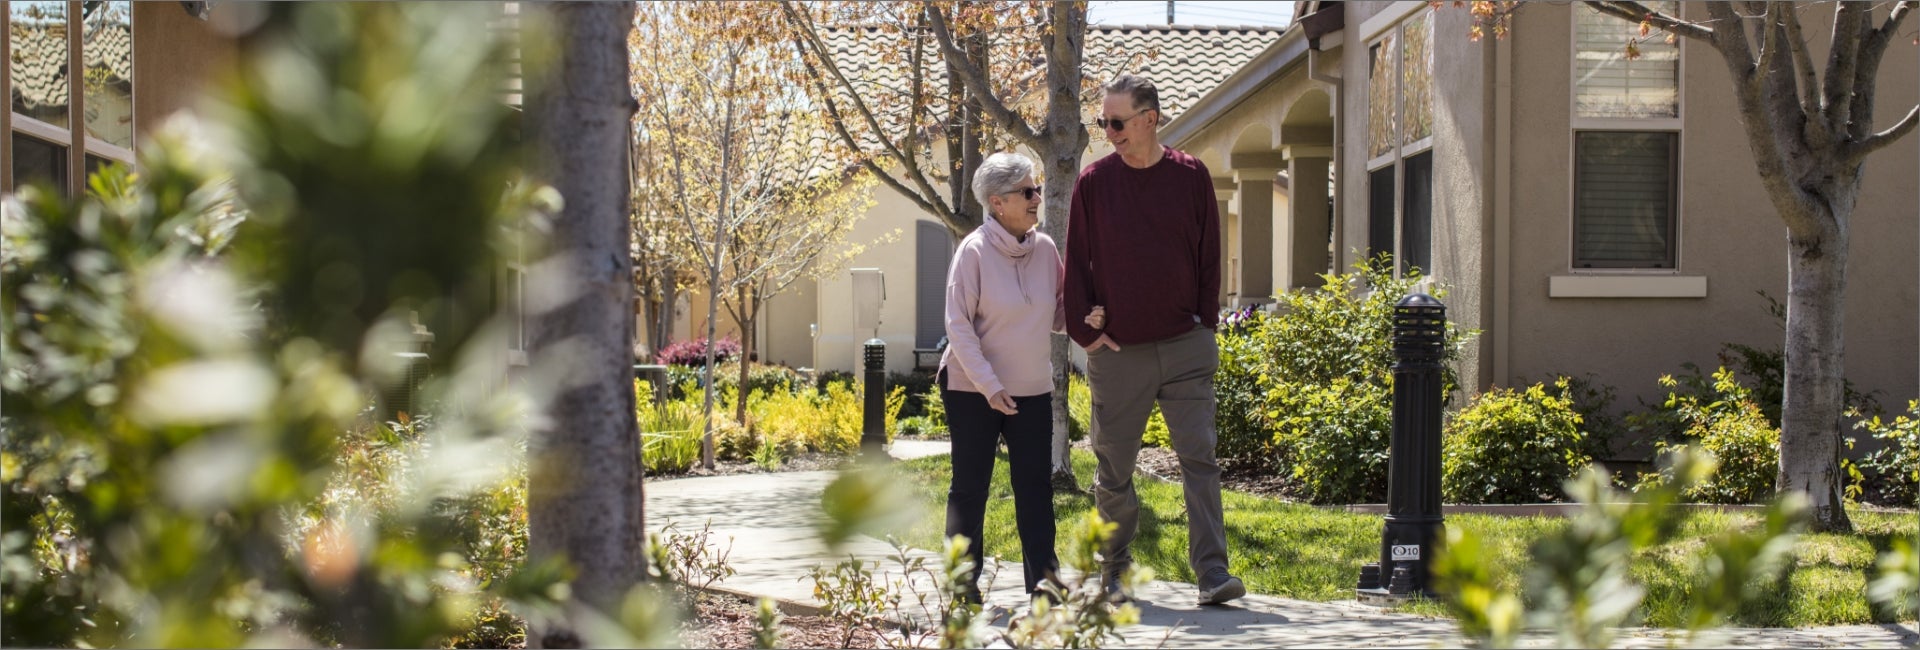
(873, 431)
(1414, 524)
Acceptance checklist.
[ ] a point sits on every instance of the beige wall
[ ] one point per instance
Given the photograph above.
(838, 346)
(1502, 218)
(175, 57)
(1729, 234)
(783, 325)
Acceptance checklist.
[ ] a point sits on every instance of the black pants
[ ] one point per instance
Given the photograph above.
(976, 431)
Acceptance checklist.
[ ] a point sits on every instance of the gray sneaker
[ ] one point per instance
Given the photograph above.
(1219, 587)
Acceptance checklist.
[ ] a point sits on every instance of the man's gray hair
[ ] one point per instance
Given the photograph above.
(1143, 92)
(999, 174)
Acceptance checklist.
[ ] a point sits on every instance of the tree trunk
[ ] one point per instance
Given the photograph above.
(585, 483)
(1811, 413)
(718, 259)
(1066, 138)
(662, 323)
(746, 355)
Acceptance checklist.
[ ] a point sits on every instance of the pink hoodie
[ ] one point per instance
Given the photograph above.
(1003, 298)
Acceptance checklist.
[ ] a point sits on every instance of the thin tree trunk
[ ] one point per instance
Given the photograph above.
(746, 354)
(585, 485)
(1811, 413)
(713, 271)
(662, 322)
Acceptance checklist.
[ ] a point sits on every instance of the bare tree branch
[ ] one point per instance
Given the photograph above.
(809, 42)
(976, 80)
(1809, 79)
(1849, 21)
(1873, 50)
(1880, 140)
(1734, 46)
(1636, 12)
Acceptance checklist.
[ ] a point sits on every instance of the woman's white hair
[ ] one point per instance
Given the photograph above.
(999, 174)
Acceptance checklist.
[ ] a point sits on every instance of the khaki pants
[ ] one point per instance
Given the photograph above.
(1178, 373)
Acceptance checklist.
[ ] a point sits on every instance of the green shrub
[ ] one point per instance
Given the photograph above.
(920, 425)
(1343, 330)
(1511, 446)
(1732, 426)
(1320, 381)
(1893, 471)
(1156, 434)
(935, 410)
(1079, 407)
(1762, 371)
(1333, 439)
(670, 433)
(1245, 438)
(832, 377)
(1593, 402)
(919, 387)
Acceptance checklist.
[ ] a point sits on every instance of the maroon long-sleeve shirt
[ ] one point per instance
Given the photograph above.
(1145, 243)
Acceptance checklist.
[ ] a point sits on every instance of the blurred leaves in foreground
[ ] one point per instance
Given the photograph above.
(189, 351)
(1578, 584)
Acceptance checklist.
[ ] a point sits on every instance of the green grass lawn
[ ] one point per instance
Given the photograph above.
(1303, 552)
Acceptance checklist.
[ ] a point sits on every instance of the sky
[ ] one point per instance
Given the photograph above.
(1147, 12)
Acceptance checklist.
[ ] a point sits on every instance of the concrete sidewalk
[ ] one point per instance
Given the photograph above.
(772, 518)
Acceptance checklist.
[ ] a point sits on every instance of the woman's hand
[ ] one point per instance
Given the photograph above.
(1002, 402)
(1097, 318)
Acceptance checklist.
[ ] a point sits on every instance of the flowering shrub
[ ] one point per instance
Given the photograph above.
(694, 352)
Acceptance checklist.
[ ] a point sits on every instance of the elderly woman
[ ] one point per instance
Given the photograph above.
(996, 377)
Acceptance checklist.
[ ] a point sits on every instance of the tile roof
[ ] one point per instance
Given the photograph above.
(1190, 60)
(1185, 61)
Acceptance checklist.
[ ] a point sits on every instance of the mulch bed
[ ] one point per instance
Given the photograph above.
(725, 621)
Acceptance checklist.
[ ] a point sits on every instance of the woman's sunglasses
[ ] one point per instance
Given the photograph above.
(1029, 192)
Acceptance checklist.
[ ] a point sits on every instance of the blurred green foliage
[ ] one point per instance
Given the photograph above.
(376, 155)
(1578, 581)
(188, 460)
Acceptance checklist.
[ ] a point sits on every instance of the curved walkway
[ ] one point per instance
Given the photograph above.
(771, 520)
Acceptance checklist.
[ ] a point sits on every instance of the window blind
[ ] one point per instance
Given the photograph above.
(1607, 84)
(1624, 199)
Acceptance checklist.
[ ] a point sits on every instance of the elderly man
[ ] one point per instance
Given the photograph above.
(1143, 241)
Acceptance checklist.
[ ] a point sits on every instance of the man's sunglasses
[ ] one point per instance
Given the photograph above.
(1029, 192)
(1118, 123)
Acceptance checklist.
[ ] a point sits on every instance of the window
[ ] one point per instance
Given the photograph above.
(50, 121)
(1416, 217)
(1626, 145)
(1624, 195)
(1608, 84)
(37, 33)
(1400, 143)
(106, 52)
(38, 161)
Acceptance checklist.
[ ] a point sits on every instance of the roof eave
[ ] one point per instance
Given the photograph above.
(1283, 54)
